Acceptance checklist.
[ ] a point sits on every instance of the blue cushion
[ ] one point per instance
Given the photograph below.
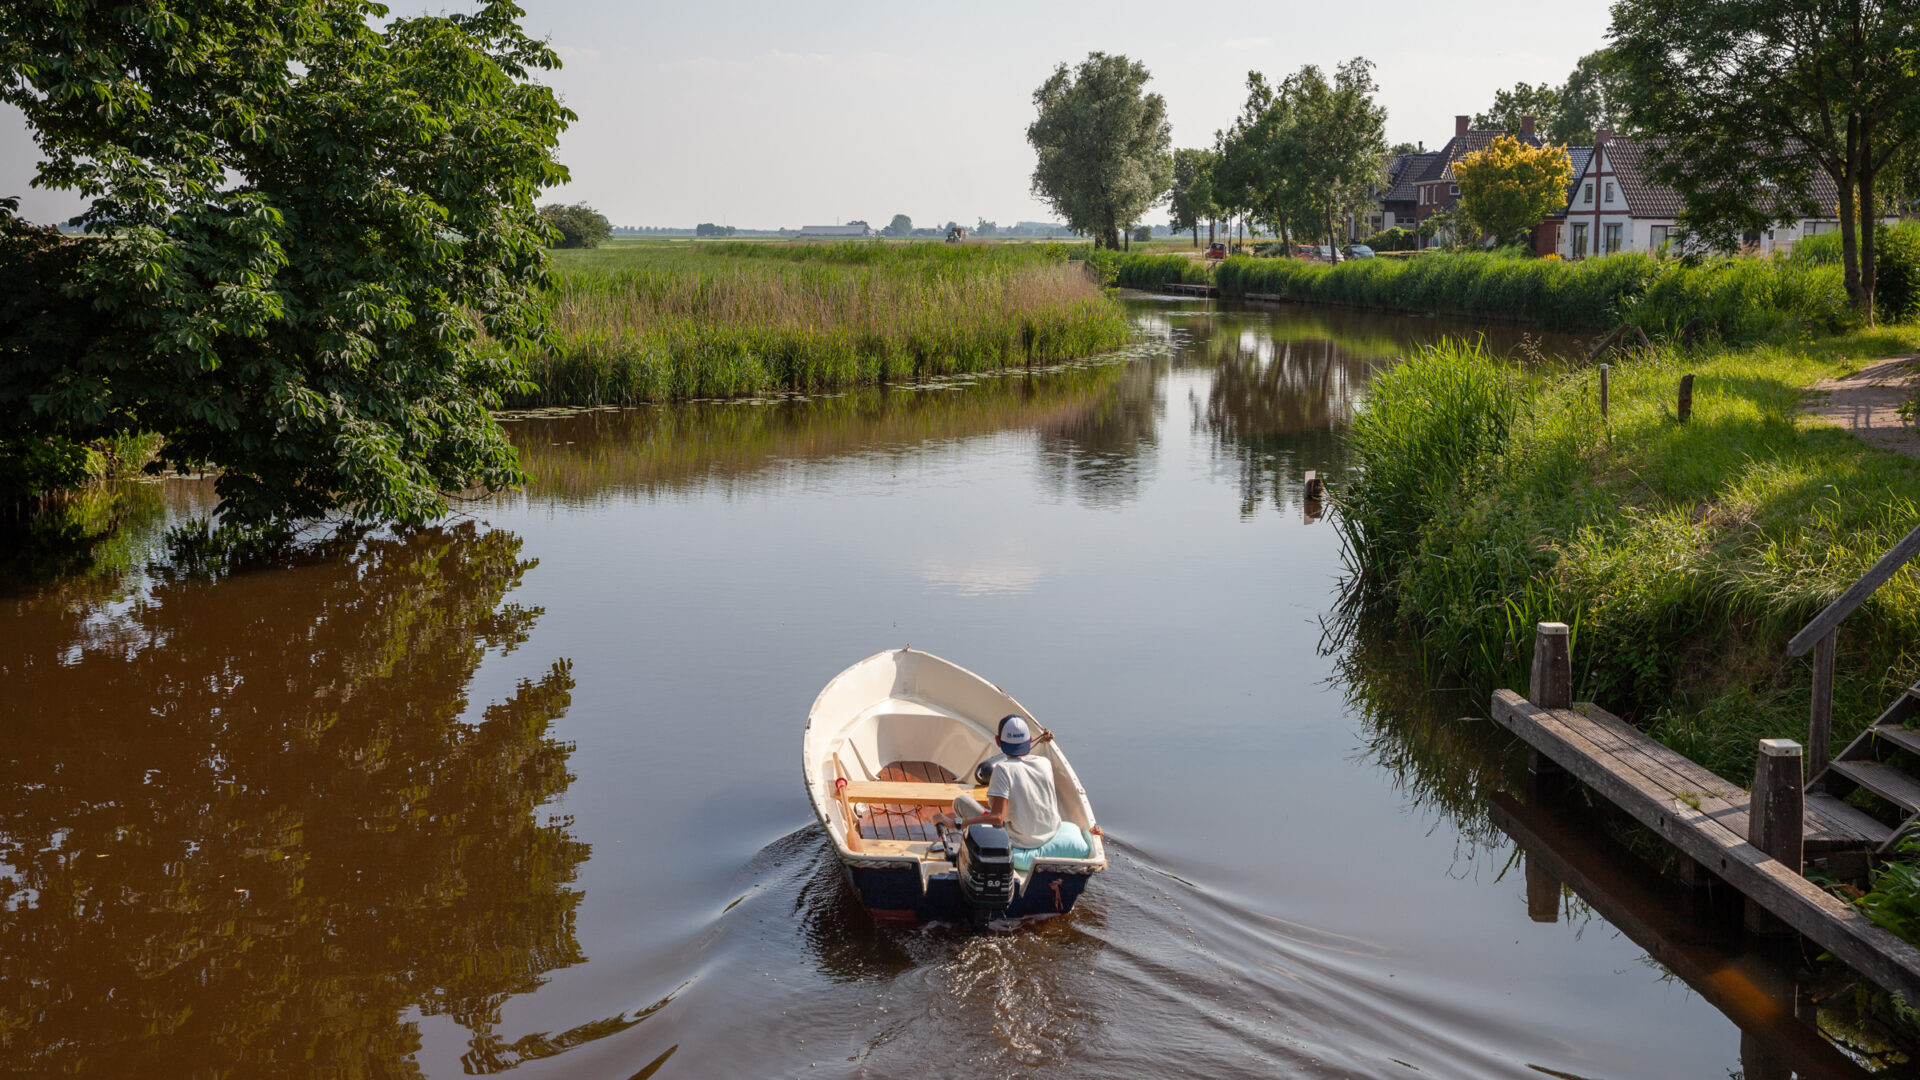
(1067, 842)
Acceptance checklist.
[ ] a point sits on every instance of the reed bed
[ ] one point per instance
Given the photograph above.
(656, 324)
(1487, 498)
(1734, 299)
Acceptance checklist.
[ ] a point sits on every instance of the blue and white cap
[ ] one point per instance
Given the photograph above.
(1014, 737)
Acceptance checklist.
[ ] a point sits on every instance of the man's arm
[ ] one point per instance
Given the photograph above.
(996, 814)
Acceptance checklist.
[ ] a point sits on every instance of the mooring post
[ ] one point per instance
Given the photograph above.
(1820, 714)
(1315, 488)
(1776, 817)
(1686, 397)
(1603, 391)
(1552, 685)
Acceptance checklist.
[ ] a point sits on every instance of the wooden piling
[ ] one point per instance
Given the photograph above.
(1603, 391)
(1776, 818)
(1552, 685)
(1686, 398)
(1315, 488)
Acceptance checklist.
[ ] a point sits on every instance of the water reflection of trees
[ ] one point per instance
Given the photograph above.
(1275, 408)
(1444, 759)
(1104, 453)
(249, 826)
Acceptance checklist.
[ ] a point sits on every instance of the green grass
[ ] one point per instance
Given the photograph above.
(656, 321)
(1684, 555)
(1735, 299)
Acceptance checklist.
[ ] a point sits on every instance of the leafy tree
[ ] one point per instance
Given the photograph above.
(1191, 198)
(708, 228)
(1103, 145)
(1510, 107)
(579, 225)
(1337, 142)
(1401, 148)
(986, 228)
(1753, 97)
(318, 244)
(1590, 100)
(901, 225)
(1142, 233)
(1510, 186)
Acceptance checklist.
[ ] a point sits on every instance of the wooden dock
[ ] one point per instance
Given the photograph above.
(1182, 289)
(1710, 820)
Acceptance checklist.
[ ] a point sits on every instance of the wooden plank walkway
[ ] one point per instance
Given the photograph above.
(1708, 957)
(1706, 818)
(1182, 289)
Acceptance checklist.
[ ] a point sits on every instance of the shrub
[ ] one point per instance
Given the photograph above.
(1394, 239)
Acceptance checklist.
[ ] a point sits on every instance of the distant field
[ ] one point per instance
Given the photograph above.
(653, 319)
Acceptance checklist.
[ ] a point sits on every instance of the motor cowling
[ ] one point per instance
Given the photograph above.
(986, 871)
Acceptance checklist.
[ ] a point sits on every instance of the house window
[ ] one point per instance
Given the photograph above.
(1454, 190)
(1658, 235)
(1578, 246)
(1609, 191)
(1586, 192)
(1613, 238)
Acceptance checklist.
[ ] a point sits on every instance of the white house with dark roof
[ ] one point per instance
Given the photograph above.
(1616, 205)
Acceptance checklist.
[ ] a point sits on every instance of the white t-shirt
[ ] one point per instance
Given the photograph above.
(1026, 782)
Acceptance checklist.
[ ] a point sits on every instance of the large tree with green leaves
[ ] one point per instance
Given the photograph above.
(1190, 200)
(1103, 145)
(1570, 113)
(1753, 98)
(316, 244)
(579, 225)
(1307, 151)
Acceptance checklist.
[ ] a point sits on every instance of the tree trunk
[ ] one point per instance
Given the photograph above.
(1196, 232)
(1848, 183)
(1333, 246)
(1866, 222)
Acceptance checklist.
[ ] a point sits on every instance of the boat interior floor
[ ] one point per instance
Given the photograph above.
(893, 821)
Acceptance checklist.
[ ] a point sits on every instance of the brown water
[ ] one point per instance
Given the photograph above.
(523, 791)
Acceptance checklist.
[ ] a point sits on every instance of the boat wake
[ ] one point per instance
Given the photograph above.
(1152, 974)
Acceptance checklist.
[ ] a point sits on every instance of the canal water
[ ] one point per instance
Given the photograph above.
(523, 791)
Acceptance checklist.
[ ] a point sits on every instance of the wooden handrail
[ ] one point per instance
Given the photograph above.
(1856, 594)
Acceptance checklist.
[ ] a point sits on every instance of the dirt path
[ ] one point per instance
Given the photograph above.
(1867, 403)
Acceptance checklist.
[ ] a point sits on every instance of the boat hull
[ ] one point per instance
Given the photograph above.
(894, 894)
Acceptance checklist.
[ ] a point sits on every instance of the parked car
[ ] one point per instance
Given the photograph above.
(1216, 251)
(1359, 251)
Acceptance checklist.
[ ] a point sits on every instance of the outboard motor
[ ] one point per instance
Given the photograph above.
(986, 872)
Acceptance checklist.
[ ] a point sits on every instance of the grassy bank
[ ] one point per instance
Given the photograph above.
(654, 322)
(1736, 299)
(1684, 555)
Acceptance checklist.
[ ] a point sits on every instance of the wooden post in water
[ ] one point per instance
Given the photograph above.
(1552, 685)
(1603, 391)
(1315, 488)
(1820, 715)
(1686, 397)
(1776, 818)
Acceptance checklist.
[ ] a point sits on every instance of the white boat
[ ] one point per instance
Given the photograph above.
(889, 743)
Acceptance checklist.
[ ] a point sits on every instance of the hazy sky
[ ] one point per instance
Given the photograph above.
(779, 114)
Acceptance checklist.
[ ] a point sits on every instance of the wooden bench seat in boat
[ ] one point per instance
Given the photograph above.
(906, 800)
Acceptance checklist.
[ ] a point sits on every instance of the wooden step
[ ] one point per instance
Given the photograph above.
(1833, 821)
(1904, 707)
(1883, 780)
(1899, 735)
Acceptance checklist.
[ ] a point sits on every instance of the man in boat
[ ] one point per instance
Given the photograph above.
(1021, 799)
